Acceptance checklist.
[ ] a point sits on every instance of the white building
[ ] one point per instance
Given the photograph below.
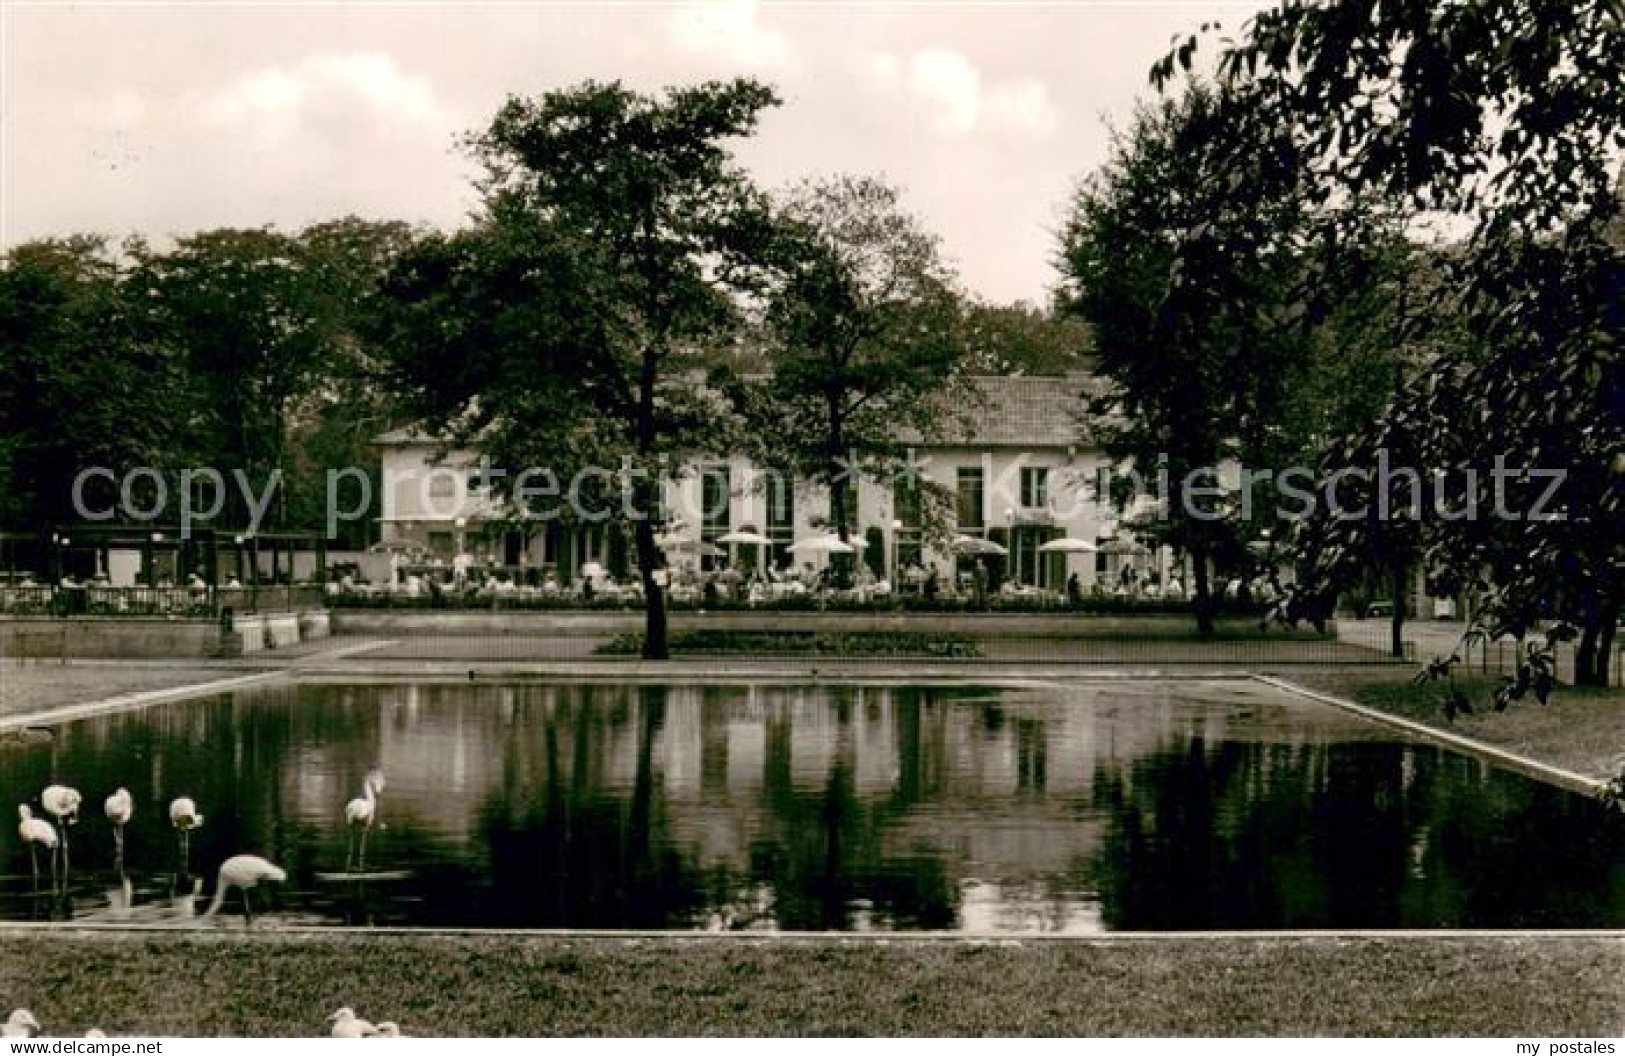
(1018, 474)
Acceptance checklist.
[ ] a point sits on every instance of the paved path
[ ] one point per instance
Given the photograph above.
(1435, 638)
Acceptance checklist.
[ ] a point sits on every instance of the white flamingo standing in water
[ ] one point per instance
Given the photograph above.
(346, 1024)
(120, 808)
(360, 813)
(184, 816)
(244, 872)
(37, 832)
(62, 803)
(20, 1024)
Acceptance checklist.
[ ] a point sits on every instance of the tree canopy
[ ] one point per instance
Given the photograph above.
(568, 327)
(865, 338)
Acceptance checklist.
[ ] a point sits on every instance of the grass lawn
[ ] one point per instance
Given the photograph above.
(1583, 729)
(269, 984)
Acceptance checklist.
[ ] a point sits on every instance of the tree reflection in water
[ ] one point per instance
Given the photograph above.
(832, 807)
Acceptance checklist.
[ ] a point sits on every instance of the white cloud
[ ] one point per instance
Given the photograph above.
(1023, 105)
(958, 100)
(328, 84)
(729, 30)
(952, 87)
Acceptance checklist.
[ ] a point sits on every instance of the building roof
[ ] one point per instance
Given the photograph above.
(406, 434)
(1033, 411)
(1024, 412)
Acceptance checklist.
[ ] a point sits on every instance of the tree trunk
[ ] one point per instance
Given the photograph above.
(649, 556)
(1603, 670)
(654, 595)
(1594, 655)
(1399, 580)
(837, 473)
(1585, 654)
(1202, 592)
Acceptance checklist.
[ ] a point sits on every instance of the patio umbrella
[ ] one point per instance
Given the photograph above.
(821, 544)
(976, 546)
(1068, 545)
(686, 543)
(745, 537)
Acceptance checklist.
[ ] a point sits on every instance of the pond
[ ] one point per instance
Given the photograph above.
(1067, 808)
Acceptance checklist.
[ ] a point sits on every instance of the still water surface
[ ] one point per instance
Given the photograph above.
(1076, 809)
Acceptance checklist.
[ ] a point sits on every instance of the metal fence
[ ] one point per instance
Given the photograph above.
(1501, 658)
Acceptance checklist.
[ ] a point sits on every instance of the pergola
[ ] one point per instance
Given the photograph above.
(199, 550)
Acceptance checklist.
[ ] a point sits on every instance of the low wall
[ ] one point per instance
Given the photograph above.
(149, 639)
(111, 638)
(450, 622)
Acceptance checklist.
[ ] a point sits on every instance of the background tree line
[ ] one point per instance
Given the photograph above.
(1257, 264)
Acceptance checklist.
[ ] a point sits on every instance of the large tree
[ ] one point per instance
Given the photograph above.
(568, 327)
(1508, 116)
(79, 386)
(241, 310)
(1023, 339)
(1187, 269)
(333, 424)
(865, 338)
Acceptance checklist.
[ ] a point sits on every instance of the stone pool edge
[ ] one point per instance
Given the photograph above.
(320, 670)
(357, 933)
(132, 701)
(1522, 764)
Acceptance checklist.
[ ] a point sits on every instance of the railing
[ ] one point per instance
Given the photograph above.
(157, 602)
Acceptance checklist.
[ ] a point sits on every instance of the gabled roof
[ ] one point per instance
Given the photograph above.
(1034, 411)
(1024, 412)
(406, 434)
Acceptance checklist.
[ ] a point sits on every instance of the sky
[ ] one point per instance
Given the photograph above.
(163, 119)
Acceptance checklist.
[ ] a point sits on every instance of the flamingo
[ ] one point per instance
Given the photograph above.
(120, 808)
(244, 872)
(37, 831)
(20, 1024)
(62, 803)
(184, 816)
(360, 813)
(346, 1024)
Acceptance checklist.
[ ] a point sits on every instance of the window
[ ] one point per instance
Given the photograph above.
(906, 503)
(442, 484)
(781, 504)
(440, 544)
(1035, 487)
(715, 500)
(968, 508)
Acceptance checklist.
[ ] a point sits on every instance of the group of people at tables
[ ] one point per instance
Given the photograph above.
(687, 581)
(98, 593)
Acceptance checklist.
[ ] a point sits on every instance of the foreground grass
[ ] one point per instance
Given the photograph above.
(1582, 729)
(285, 985)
